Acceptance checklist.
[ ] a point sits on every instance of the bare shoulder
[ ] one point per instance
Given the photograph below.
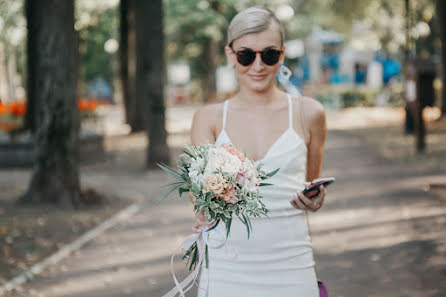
(207, 113)
(313, 109)
(204, 123)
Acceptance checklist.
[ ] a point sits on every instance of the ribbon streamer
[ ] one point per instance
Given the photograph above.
(202, 239)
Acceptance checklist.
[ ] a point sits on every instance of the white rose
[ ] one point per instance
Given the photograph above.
(196, 177)
(220, 158)
(251, 184)
(197, 165)
(250, 173)
(196, 170)
(249, 170)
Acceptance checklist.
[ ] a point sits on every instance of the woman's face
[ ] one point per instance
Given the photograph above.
(258, 76)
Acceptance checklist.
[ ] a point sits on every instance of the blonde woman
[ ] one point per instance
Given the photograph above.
(279, 131)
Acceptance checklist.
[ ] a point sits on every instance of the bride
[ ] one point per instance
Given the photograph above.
(280, 131)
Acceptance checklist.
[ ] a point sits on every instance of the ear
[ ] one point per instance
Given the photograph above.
(230, 56)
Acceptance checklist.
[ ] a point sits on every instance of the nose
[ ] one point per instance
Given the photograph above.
(258, 64)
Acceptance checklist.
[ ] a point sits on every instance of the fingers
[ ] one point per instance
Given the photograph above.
(196, 228)
(309, 203)
(300, 201)
(200, 221)
(318, 201)
(321, 197)
(296, 203)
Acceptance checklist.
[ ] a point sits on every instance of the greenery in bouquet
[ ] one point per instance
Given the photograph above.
(224, 182)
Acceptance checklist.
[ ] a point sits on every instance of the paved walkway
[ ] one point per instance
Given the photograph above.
(378, 235)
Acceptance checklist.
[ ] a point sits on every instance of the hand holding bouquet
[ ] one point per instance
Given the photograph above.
(224, 183)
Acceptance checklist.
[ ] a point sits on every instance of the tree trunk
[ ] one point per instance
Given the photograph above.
(53, 81)
(151, 77)
(132, 104)
(124, 56)
(441, 11)
(209, 85)
(31, 79)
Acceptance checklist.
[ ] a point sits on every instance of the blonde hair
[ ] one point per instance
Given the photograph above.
(254, 19)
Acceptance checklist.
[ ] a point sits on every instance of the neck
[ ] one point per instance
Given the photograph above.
(252, 98)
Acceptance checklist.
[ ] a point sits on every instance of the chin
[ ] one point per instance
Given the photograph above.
(258, 86)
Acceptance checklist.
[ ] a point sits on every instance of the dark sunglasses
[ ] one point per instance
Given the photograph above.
(269, 56)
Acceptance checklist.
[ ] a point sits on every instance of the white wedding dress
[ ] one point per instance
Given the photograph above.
(277, 259)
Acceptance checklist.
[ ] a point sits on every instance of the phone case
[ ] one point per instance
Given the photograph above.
(315, 186)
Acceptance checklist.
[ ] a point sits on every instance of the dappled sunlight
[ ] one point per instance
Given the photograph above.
(374, 227)
(369, 117)
(94, 94)
(361, 117)
(145, 255)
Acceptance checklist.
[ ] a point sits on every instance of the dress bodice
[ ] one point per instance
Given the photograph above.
(289, 153)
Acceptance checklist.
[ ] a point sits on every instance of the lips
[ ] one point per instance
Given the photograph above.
(257, 76)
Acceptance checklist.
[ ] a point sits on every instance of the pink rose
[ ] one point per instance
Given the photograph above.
(229, 196)
(241, 179)
(232, 150)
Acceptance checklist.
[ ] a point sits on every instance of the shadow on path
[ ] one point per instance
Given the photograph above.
(378, 235)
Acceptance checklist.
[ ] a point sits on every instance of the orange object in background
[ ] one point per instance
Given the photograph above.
(4, 109)
(93, 104)
(87, 104)
(18, 108)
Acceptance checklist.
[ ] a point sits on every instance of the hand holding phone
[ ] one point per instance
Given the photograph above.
(313, 189)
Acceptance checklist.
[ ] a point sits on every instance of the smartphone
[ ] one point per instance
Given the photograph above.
(313, 189)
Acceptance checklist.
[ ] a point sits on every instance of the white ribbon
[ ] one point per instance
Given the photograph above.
(202, 239)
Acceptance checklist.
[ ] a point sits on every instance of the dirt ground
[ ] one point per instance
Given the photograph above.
(380, 234)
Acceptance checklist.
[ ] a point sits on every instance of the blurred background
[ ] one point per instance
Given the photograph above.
(94, 93)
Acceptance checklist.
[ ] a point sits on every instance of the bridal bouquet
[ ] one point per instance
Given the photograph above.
(225, 184)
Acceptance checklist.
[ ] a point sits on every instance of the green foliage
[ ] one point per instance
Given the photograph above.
(385, 19)
(351, 96)
(13, 33)
(95, 25)
(191, 25)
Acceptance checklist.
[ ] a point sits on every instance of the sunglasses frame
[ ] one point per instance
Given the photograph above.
(257, 52)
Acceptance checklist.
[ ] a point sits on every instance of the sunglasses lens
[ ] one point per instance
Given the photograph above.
(246, 57)
(270, 57)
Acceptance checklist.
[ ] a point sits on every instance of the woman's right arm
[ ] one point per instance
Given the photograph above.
(201, 132)
(202, 125)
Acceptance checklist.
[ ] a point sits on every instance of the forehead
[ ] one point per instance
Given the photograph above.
(260, 40)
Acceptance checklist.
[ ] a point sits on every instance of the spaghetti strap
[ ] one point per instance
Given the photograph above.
(302, 120)
(290, 112)
(225, 108)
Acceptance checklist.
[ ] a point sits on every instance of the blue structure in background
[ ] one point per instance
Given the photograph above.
(99, 88)
(391, 68)
(330, 60)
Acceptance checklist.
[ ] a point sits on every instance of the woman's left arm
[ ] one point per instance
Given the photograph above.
(317, 127)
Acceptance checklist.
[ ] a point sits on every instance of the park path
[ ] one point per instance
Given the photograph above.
(378, 235)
